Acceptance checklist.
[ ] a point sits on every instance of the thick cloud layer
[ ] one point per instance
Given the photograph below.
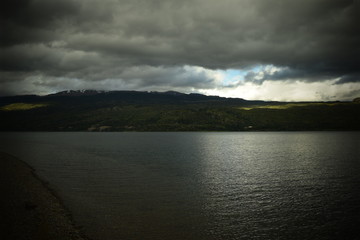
(163, 43)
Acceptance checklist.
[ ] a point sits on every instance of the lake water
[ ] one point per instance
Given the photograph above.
(260, 185)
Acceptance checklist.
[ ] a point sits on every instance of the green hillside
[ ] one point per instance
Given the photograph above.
(171, 111)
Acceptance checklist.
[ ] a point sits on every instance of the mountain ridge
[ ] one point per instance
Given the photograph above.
(91, 110)
(142, 97)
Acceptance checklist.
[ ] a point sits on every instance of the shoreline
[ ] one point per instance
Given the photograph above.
(29, 208)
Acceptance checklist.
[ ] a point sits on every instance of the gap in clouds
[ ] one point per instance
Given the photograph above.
(291, 91)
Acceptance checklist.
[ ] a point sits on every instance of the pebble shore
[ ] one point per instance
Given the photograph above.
(29, 209)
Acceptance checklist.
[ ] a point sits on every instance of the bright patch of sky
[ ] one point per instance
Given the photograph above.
(232, 76)
(290, 91)
(236, 76)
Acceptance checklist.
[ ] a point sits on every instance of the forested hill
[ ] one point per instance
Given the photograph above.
(86, 97)
(91, 110)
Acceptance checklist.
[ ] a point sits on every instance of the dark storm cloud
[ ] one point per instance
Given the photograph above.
(95, 40)
(32, 21)
(349, 78)
(272, 73)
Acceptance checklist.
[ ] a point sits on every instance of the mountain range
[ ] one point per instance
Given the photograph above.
(92, 110)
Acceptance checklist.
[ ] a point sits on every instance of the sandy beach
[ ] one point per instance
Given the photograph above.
(29, 209)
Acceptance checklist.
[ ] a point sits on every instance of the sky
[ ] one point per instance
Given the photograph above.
(283, 50)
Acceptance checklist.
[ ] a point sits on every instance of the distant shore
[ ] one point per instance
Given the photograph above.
(29, 210)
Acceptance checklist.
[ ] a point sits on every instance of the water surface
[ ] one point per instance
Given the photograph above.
(262, 185)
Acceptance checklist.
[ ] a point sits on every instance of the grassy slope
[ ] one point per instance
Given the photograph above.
(22, 106)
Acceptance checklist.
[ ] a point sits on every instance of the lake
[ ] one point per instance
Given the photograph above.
(201, 185)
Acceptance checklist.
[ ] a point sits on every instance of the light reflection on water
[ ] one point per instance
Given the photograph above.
(280, 185)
